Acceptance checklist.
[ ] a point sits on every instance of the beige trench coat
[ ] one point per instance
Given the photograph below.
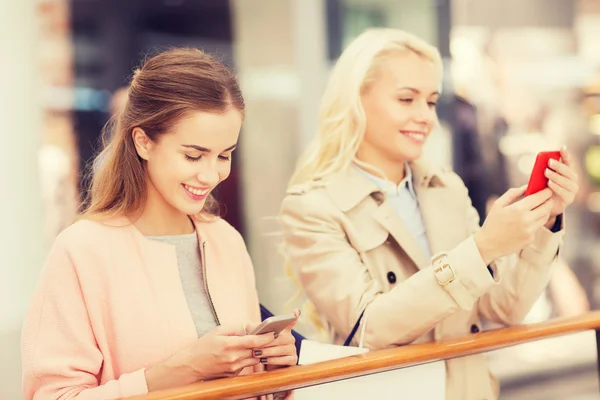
(351, 252)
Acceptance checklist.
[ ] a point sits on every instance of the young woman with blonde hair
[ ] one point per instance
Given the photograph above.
(371, 230)
(150, 289)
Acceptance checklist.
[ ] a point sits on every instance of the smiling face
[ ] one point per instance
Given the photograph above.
(399, 104)
(186, 164)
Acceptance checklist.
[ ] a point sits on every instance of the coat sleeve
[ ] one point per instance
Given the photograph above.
(522, 277)
(60, 357)
(340, 286)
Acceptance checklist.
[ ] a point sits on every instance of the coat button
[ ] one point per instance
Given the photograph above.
(378, 197)
(391, 277)
(474, 329)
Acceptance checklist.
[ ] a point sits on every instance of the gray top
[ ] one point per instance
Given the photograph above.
(192, 279)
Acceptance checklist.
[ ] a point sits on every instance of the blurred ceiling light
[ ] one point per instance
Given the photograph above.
(464, 48)
(594, 124)
(593, 202)
(525, 163)
(516, 144)
(466, 60)
(556, 72)
(277, 82)
(592, 162)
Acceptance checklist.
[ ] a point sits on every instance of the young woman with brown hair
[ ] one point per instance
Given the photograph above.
(150, 289)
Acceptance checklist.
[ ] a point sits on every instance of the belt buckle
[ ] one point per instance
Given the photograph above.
(440, 266)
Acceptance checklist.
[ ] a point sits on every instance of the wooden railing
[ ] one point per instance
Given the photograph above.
(376, 361)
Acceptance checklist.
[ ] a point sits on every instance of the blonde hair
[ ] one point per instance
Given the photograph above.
(342, 119)
(165, 89)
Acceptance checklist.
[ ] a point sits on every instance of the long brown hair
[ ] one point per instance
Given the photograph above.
(164, 89)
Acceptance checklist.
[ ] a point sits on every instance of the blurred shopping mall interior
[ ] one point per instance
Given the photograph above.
(521, 76)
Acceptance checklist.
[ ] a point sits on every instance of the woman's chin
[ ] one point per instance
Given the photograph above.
(192, 209)
(408, 155)
(409, 150)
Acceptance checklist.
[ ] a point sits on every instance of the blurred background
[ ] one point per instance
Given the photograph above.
(521, 76)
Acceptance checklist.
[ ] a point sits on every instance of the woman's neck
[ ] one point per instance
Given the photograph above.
(159, 218)
(393, 170)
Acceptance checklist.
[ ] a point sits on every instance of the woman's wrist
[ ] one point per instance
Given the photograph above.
(170, 374)
(485, 251)
(550, 223)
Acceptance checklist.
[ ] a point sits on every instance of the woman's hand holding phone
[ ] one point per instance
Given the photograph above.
(512, 223)
(282, 351)
(563, 181)
(223, 352)
(279, 353)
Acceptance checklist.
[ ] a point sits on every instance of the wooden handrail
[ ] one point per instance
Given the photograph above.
(376, 361)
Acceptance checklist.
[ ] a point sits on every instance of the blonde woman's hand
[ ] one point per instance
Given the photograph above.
(564, 183)
(512, 223)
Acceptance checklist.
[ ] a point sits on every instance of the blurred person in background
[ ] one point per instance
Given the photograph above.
(150, 289)
(371, 230)
(583, 251)
(535, 130)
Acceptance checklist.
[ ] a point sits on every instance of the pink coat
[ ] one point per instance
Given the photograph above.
(110, 304)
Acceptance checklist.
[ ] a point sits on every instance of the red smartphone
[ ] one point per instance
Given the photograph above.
(538, 180)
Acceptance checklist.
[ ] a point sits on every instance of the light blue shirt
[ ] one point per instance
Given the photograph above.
(403, 199)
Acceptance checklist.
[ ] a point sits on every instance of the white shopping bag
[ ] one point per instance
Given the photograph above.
(427, 381)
